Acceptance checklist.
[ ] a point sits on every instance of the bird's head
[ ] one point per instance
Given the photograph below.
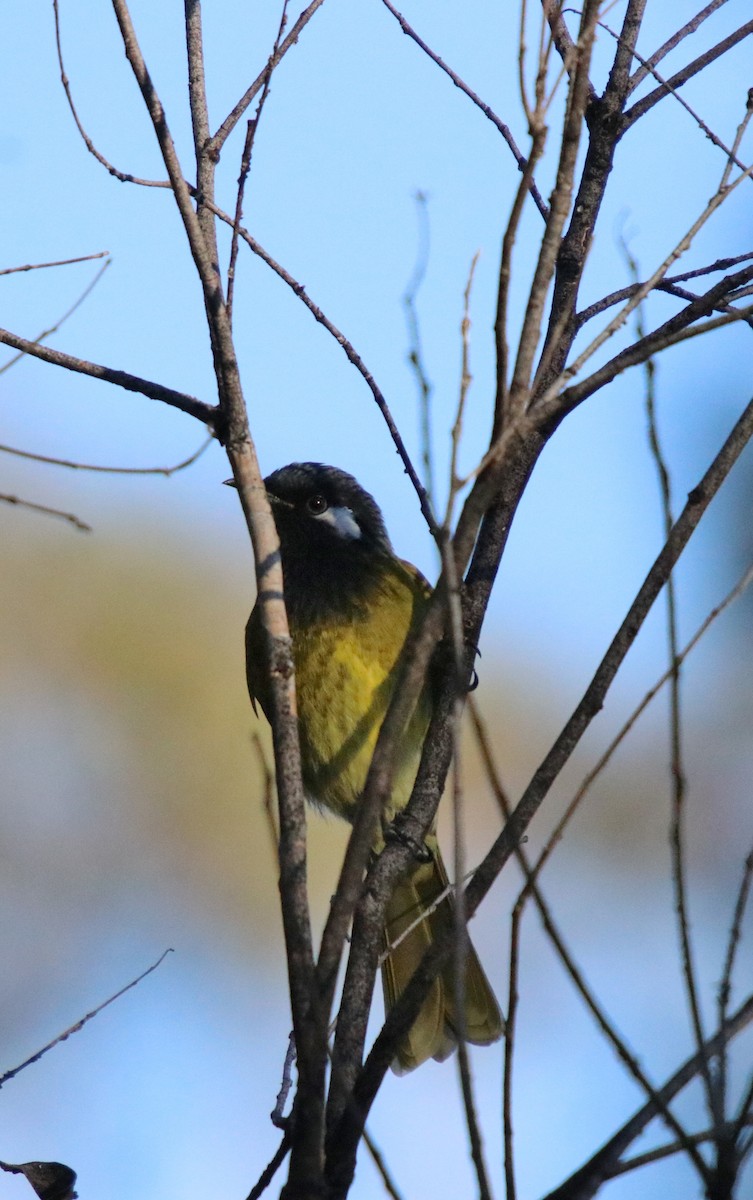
(325, 509)
(333, 541)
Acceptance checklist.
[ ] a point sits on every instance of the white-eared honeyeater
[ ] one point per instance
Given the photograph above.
(351, 604)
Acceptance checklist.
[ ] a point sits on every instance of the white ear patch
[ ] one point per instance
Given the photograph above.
(342, 521)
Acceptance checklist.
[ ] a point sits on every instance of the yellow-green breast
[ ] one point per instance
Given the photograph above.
(345, 673)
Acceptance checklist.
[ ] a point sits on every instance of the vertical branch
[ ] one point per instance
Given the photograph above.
(242, 177)
(577, 99)
(251, 130)
(531, 890)
(500, 794)
(537, 132)
(507, 1075)
(725, 987)
(309, 1023)
(605, 130)
(460, 668)
(415, 353)
(714, 1095)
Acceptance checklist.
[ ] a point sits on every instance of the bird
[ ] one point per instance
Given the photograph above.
(50, 1180)
(351, 605)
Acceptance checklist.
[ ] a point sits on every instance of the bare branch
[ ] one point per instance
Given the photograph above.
(702, 125)
(78, 466)
(205, 413)
(560, 208)
(61, 320)
(676, 329)
(692, 26)
(697, 503)
(242, 177)
(309, 1021)
(531, 889)
(641, 107)
(390, 1186)
(562, 40)
(214, 147)
(63, 262)
(75, 1028)
(272, 1167)
(425, 796)
(353, 357)
(667, 285)
(588, 1179)
(604, 118)
(71, 518)
(279, 1120)
(248, 148)
(123, 176)
(677, 773)
(590, 778)
(415, 353)
(485, 109)
(725, 991)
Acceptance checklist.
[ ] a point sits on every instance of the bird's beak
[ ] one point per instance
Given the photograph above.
(272, 499)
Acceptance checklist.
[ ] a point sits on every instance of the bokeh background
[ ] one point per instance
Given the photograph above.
(132, 799)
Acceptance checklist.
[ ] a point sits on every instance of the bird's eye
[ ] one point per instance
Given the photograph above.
(317, 504)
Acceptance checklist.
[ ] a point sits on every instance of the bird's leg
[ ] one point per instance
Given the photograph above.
(396, 831)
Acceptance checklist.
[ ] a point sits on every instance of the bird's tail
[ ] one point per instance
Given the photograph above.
(434, 1033)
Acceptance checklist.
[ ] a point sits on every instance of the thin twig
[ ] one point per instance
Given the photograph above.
(511, 1021)
(531, 889)
(734, 593)
(682, 327)
(272, 1167)
(731, 154)
(63, 262)
(721, 264)
(552, 400)
(485, 109)
(79, 466)
(460, 662)
(572, 131)
(415, 351)
(268, 780)
(584, 1183)
(205, 413)
(661, 1152)
(353, 357)
(123, 176)
(743, 892)
(641, 107)
(691, 26)
(564, 44)
(739, 135)
(78, 1025)
(501, 403)
(243, 176)
(466, 379)
(277, 1116)
(248, 149)
(677, 772)
(725, 987)
(71, 518)
(379, 1162)
(61, 320)
(604, 116)
(231, 120)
